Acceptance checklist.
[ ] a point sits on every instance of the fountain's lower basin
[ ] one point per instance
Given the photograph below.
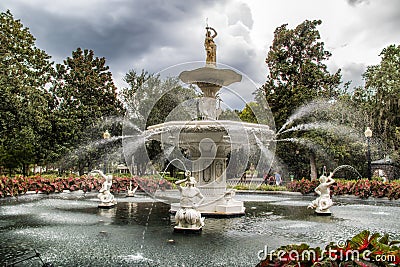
(69, 230)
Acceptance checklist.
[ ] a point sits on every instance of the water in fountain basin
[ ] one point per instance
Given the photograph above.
(81, 235)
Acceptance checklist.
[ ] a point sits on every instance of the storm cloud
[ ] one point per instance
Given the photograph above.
(154, 35)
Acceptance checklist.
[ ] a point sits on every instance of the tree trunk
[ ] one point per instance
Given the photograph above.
(24, 169)
(313, 166)
(81, 170)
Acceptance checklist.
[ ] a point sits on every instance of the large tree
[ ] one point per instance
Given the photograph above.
(297, 75)
(151, 100)
(380, 99)
(25, 70)
(87, 96)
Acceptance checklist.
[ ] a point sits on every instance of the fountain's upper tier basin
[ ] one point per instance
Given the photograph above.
(219, 77)
(209, 125)
(220, 131)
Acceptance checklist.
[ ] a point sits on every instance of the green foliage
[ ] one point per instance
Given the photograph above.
(297, 75)
(381, 98)
(303, 186)
(247, 114)
(262, 187)
(228, 114)
(20, 185)
(151, 100)
(25, 108)
(86, 97)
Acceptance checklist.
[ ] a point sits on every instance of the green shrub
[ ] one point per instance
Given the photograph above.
(362, 188)
(19, 185)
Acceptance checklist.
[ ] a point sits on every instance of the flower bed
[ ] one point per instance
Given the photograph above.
(19, 185)
(262, 187)
(364, 249)
(362, 188)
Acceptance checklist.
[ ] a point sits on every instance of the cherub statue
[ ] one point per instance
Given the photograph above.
(211, 47)
(107, 199)
(324, 201)
(188, 217)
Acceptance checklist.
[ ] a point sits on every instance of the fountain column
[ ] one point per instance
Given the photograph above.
(207, 141)
(209, 165)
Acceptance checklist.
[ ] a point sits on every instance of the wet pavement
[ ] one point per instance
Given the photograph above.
(69, 230)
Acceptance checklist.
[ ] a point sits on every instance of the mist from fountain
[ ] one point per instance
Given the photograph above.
(305, 110)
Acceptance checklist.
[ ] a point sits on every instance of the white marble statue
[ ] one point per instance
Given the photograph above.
(324, 201)
(107, 199)
(188, 217)
(131, 191)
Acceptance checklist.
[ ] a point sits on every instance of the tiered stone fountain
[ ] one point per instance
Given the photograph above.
(208, 141)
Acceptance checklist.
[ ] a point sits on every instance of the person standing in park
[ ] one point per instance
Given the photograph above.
(278, 178)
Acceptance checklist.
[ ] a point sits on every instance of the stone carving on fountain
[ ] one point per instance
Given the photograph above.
(324, 201)
(107, 199)
(188, 218)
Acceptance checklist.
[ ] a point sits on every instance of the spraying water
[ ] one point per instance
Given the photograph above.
(351, 168)
(305, 110)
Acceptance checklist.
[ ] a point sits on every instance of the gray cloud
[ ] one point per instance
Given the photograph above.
(353, 72)
(147, 35)
(240, 12)
(357, 2)
(112, 28)
(154, 35)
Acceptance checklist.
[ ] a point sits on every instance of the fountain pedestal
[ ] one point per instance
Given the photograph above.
(209, 142)
(209, 80)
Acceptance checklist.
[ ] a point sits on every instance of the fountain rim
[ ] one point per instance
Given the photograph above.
(208, 123)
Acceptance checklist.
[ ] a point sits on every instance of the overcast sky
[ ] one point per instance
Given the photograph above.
(156, 34)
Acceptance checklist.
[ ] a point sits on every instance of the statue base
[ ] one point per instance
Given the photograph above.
(323, 213)
(131, 191)
(220, 208)
(195, 230)
(106, 205)
(130, 194)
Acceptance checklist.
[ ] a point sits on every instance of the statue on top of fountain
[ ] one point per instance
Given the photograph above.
(188, 217)
(324, 201)
(211, 47)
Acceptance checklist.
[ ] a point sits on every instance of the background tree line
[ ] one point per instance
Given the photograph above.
(51, 114)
